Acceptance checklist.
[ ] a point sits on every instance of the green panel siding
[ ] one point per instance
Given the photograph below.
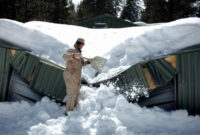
(46, 79)
(49, 80)
(4, 71)
(161, 71)
(111, 21)
(188, 67)
(24, 63)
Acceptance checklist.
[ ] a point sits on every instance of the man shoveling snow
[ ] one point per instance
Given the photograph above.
(72, 73)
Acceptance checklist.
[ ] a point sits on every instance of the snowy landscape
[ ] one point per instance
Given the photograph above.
(101, 111)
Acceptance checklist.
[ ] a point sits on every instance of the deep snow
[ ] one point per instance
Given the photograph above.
(101, 111)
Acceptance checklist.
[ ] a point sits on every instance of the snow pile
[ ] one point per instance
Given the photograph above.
(101, 111)
(122, 47)
(146, 24)
(41, 45)
(17, 117)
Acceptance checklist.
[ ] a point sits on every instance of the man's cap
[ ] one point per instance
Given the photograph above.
(81, 40)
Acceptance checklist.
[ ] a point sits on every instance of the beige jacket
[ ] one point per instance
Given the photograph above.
(72, 73)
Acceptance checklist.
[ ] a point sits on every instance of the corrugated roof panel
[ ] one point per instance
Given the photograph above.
(149, 78)
(163, 96)
(4, 71)
(51, 83)
(24, 63)
(31, 62)
(49, 80)
(35, 81)
(161, 71)
(61, 91)
(188, 67)
(17, 60)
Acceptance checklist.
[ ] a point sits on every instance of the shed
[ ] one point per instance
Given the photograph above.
(172, 81)
(109, 20)
(38, 77)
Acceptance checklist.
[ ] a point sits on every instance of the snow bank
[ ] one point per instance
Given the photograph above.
(42, 45)
(122, 47)
(100, 111)
(17, 117)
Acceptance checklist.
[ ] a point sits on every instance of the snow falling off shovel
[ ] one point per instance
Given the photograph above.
(98, 63)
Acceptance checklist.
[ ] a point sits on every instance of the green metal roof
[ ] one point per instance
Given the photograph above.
(4, 71)
(188, 67)
(161, 71)
(110, 20)
(47, 77)
(49, 80)
(24, 63)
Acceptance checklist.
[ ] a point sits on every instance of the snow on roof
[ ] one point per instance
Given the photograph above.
(122, 47)
(100, 110)
(41, 44)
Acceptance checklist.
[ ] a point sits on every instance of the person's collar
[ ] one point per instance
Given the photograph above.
(78, 49)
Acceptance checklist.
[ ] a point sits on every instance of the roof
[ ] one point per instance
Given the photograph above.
(43, 76)
(176, 85)
(110, 20)
(9, 45)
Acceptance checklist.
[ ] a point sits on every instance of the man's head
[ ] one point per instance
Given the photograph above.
(80, 42)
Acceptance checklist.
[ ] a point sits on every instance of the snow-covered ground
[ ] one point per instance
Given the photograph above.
(100, 112)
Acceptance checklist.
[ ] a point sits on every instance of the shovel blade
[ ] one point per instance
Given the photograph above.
(98, 63)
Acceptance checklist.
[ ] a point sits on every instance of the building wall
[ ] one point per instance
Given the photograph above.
(4, 72)
(19, 90)
(188, 67)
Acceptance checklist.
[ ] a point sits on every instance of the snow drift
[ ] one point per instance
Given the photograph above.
(101, 111)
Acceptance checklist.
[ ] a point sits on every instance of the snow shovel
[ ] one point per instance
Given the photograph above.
(98, 63)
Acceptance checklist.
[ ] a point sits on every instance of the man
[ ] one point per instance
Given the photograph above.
(72, 73)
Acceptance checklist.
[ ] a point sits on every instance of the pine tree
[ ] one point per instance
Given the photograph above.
(118, 6)
(198, 9)
(167, 10)
(92, 8)
(7, 9)
(156, 11)
(87, 9)
(60, 11)
(180, 9)
(105, 7)
(20, 8)
(131, 11)
(71, 14)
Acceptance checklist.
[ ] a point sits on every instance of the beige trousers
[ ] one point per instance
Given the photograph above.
(72, 90)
